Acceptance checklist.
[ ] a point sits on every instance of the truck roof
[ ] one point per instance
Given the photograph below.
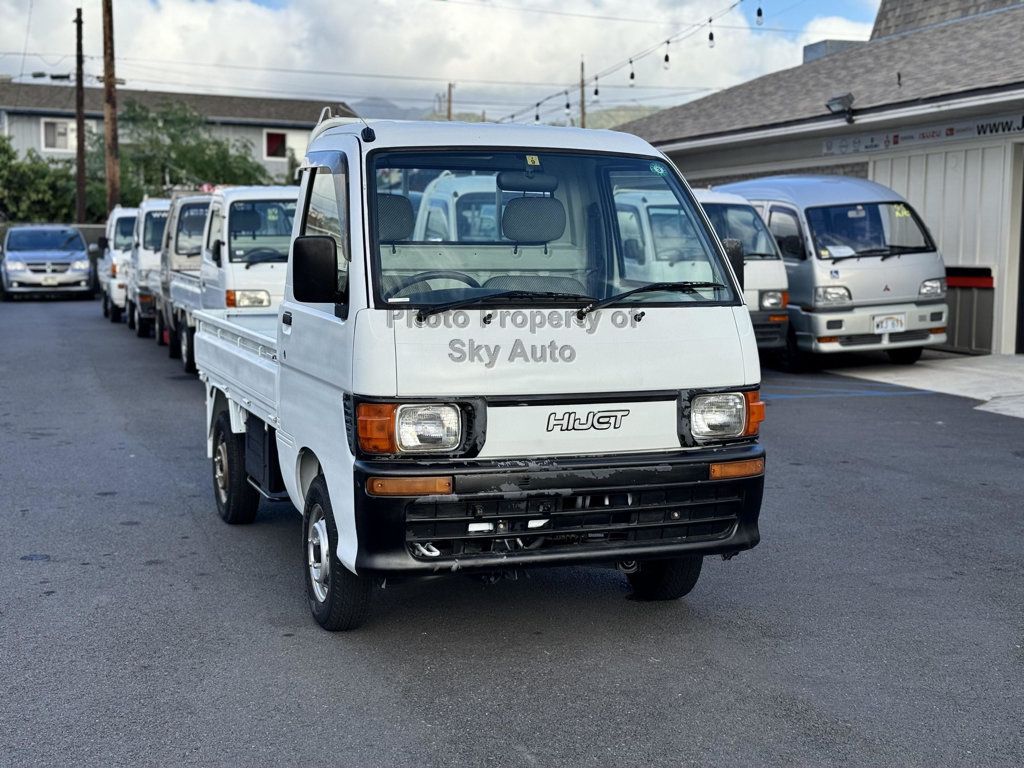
(431, 133)
(811, 191)
(120, 213)
(154, 204)
(710, 196)
(231, 194)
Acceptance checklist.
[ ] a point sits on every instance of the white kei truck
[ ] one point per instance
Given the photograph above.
(487, 405)
(116, 248)
(142, 278)
(240, 263)
(179, 258)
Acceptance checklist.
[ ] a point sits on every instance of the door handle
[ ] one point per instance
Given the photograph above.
(286, 318)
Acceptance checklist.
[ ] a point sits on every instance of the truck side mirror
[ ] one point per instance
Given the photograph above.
(315, 269)
(734, 252)
(103, 242)
(633, 251)
(93, 249)
(215, 252)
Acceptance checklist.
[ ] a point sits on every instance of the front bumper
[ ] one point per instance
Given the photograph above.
(597, 510)
(146, 303)
(118, 293)
(770, 328)
(851, 330)
(26, 281)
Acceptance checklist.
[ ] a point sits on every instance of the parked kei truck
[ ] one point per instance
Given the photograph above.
(444, 406)
(864, 272)
(179, 258)
(116, 245)
(241, 261)
(143, 267)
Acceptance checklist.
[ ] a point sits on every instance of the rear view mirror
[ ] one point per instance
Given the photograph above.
(103, 242)
(734, 252)
(633, 250)
(215, 252)
(315, 269)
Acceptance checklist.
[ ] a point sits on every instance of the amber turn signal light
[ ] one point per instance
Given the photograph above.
(755, 413)
(409, 486)
(937, 331)
(375, 426)
(727, 470)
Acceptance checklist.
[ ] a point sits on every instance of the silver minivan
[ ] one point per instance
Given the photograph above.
(864, 272)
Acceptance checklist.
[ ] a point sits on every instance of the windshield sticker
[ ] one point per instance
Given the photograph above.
(834, 274)
(532, 160)
(900, 211)
(659, 169)
(839, 250)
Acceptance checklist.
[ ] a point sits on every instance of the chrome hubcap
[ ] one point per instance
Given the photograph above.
(220, 470)
(183, 338)
(318, 553)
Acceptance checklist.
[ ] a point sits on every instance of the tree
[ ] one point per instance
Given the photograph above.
(34, 188)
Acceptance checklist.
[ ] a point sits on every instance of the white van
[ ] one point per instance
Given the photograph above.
(116, 245)
(493, 403)
(243, 262)
(864, 272)
(143, 279)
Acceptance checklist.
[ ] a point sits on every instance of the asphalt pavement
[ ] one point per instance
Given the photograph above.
(879, 622)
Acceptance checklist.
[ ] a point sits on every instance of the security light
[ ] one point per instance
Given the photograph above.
(841, 105)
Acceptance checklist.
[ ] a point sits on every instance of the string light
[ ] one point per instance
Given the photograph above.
(536, 113)
(632, 74)
(568, 109)
(760, 16)
(666, 64)
(597, 93)
(711, 35)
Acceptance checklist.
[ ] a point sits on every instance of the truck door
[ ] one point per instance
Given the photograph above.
(784, 224)
(210, 282)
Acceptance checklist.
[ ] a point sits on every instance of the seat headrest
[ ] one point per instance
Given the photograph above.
(394, 218)
(246, 221)
(533, 220)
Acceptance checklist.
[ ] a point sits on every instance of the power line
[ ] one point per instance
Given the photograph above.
(28, 29)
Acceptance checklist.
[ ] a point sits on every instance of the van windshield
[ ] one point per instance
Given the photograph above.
(535, 223)
(867, 229)
(124, 227)
(260, 230)
(27, 239)
(153, 230)
(743, 223)
(189, 237)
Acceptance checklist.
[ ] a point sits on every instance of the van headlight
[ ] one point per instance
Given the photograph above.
(773, 300)
(13, 265)
(934, 288)
(832, 296)
(428, 427)
(80, 265)
(718, 415)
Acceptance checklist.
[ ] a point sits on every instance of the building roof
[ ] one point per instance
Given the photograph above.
(896, 16)
(33, 98)
(975, 53)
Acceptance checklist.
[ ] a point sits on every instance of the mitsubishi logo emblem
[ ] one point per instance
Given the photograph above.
(887, 289)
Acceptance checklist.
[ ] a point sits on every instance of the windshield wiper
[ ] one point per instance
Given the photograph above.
(423, 314)
(685, 287)
(265, 257)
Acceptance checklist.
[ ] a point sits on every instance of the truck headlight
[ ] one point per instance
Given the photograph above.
(428, 427)
(832, 296)
(718, 415)
(773, 300)
(243, 299)
(934, 288)
(15, 266)
(80, 265)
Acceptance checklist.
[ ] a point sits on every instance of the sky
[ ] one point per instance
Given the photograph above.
(503, 56)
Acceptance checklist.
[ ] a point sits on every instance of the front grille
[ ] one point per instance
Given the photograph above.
(44, 268)
(874, 338)
(910, 336)
(768, 332)
(579, 521)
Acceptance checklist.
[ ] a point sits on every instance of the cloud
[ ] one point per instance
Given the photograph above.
(159, 43)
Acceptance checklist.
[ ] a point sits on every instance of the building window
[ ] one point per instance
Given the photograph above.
(275, 145)
(58, 135)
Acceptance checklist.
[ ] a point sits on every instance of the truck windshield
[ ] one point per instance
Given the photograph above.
(260, 230)
(153, 230)
(867, 229)
(123, 229)
(45, 240)
(543, 225)
(743, 223)
(188, 239)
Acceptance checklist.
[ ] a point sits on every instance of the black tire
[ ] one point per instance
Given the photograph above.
(341, 601)
(666, 579)
(790, 357)
(129, 309)
(186, 347)
(105, 305)
(173, 348)
(904, 356)
(115, 313)
(237, 501)
(142, 325)
(158, 328)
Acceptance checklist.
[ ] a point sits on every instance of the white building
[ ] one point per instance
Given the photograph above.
(937, 114)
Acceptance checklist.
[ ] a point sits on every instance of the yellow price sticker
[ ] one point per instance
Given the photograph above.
(900, 212)
(532, 160)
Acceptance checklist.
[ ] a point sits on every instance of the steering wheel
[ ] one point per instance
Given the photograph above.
(432, 274)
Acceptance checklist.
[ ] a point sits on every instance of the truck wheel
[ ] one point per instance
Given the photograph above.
(791, 358)
(186, 341)
(158, 328)
(105, 305)
(115, 313)
(905, 356)
(339, 599)
(141, 324)
(173, 345)
(666, 579)
(237, 501)
(130, 310)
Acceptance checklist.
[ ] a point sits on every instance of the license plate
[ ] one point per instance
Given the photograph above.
(49, 281)
(890, 323)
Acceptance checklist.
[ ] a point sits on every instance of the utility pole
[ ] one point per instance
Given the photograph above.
(451, 87)
(110, 109)
(583, 96)
(79, 123)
